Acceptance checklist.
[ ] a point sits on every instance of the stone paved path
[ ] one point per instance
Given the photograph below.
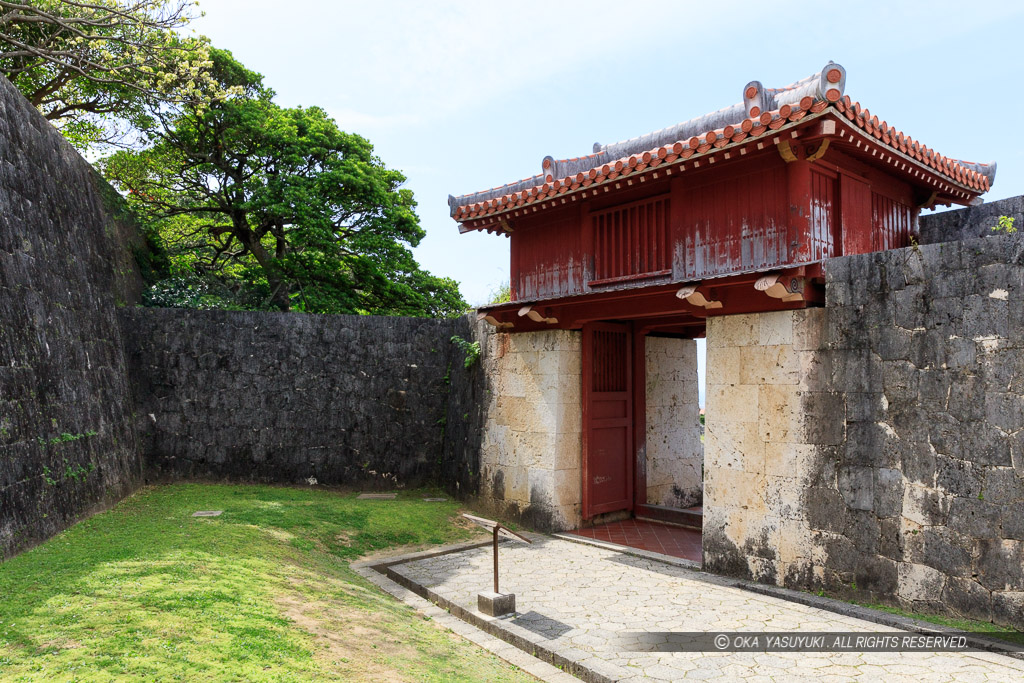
(575, 599)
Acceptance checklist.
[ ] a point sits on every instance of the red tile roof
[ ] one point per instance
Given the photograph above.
(762, 111)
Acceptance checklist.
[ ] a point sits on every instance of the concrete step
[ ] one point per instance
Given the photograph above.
(692, 518)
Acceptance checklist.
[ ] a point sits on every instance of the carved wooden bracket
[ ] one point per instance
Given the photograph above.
(535, 316)
(491, 320)
(692, 296)
(775, 287)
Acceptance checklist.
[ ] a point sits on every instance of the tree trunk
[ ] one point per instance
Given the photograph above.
(280, 293)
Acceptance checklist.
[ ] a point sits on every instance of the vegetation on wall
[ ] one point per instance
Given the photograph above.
(1005, 224)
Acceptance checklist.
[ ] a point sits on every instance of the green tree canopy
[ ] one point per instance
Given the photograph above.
(98, 68)
(280, 207)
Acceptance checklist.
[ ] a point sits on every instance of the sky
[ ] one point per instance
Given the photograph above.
(464, 96)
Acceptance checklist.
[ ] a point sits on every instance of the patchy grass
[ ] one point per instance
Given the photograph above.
(984, 628)
(261, 593)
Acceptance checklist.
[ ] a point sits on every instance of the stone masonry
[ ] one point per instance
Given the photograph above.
(67, 446)
(757, 460)
(675, 453)
(530, 456)
(287, 397)
(886, 462)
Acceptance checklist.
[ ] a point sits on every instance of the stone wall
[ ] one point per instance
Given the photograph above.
(67, 446)
(285, 397)
(674, 452)
(530, 457)
(974, 221)
(898, 412)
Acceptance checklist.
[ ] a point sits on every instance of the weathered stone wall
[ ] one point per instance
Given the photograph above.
(900, 472)
(530, 457)
(285, 397)
(67, 445)
(974, 221)
(674, 452)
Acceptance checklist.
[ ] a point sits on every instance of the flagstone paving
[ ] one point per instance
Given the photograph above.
(576, 600)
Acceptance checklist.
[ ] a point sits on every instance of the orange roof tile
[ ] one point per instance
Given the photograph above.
(762, 111)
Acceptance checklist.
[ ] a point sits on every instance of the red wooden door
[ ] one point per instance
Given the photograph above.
(607, 419)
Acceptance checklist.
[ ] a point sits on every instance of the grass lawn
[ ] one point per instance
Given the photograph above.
(982, 628)
(261, 593)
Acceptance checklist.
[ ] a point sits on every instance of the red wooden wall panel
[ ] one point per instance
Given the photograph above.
(855, 207)
(734, 224)
(824, 207)
(548, 257)
(891, 222)
(712, 222)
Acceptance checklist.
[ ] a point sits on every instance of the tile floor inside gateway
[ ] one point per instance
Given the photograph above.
(577, 600)
(666, 539)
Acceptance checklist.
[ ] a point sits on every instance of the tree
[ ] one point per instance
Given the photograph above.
(98, 68)
(280, 203)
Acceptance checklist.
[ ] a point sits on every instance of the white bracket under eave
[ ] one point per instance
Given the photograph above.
(776, 287)
(535, 316)
(690, 295)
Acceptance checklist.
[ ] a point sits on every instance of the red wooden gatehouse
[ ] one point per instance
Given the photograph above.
(731, 212)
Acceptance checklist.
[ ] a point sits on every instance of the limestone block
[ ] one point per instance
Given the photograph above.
(513, 384)
(924, 505)
(809, 329)
(674, 472)
(568, 452)
(732, 403)
(918, 582)
(733, 445)
(794, 541)
(1008, 608)
(541, 482)
(857, 487)
(536, 449)
(658, 494)
(793, 460)
(567, 488)
(776, 328)
(517, 485)
(735, 487)
(784, 496)
(1001, 564)
(723, 365)
(769, 365)
(566, 517)
(569, 417)
(733, 330)
(779, 416)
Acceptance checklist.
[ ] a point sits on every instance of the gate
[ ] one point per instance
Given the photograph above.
(607, 418)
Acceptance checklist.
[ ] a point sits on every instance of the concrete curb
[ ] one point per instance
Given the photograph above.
(376, 572)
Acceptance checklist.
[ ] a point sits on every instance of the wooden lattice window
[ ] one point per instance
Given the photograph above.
(609, 363)
(632, 241)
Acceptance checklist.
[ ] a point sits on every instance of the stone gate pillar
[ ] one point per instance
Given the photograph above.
(768, 428)
(531, 452)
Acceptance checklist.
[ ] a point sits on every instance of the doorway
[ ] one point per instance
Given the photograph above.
(642, 447)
